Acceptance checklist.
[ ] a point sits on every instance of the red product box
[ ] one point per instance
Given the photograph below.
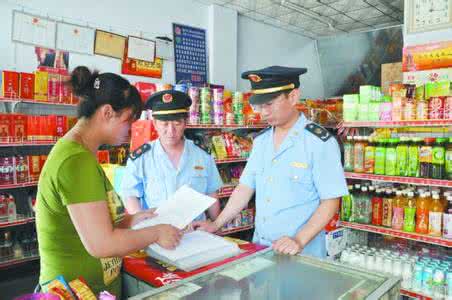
(142, 131)
(33, 127)
(7, 165)
(54, 87)
(333, 224)
(42, 161)
(61, 126)
(34, 167)
(18, 127)
(5, 128)
(65, 91)
(21, 169)
(46, 128)
(10, 84)
(27, 86)
(103, 156)
(145, 89)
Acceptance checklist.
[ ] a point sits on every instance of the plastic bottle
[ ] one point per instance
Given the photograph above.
(409, 224)
(387, 208)
(348, 154)
(439, 159)
(402, 157)
(365, 211)
(435, 216)
(377, 208)
(449, 159)
(346, 205)
(422, 213)
(425, 158)
(354, 216)
(358, 155)
(413, 157)
(447, 220)
(397, 211)
(369, 157)
(12, 212)
(391, 158)
(380, 157)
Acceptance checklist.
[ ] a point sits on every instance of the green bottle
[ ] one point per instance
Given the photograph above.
(346, 205)
(409, 223)
(402, 157)
(439, 159)
(413, 157)
(380, 157)
(391, 158)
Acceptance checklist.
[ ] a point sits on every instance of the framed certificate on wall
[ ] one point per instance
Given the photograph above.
(109, 44)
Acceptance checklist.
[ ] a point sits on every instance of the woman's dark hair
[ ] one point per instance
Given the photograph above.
(96, 89)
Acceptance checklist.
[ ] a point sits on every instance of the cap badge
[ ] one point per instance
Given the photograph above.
(255, 78)
(167, 98)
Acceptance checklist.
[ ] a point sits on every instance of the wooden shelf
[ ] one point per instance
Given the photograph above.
(9, 263)
(31, 101)
(398, 233)
(18, 185)
(399, 179)
(18, 222)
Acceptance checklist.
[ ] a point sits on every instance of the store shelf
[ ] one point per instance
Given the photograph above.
(230, 160)
(28, 143)
(224, 126)
(19, 261)
(400, 234)
(17, 222)
(28, 101)
(414, 295)
(226, 191)
(426, 123)
(18, 185)
(399, 179)
(234, 230)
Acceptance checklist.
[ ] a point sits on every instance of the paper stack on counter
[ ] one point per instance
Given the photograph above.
(197, 248)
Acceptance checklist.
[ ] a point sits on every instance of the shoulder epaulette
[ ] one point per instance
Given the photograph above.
(262, 131)
(140, 151)
(318, 131)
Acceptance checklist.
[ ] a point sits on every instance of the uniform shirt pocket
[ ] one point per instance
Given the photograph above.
(198, 181)
(300, 185)
(155, 189)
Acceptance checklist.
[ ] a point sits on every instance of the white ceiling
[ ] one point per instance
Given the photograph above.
(319, 18)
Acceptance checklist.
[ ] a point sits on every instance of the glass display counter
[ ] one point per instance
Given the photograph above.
(266, 275)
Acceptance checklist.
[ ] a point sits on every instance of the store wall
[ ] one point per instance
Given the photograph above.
(261, 45)
(351, 60)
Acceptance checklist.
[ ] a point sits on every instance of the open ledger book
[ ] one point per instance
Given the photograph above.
(197, 248)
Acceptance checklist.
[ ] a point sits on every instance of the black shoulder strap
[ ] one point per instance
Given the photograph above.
(140, 151)
(319, 131)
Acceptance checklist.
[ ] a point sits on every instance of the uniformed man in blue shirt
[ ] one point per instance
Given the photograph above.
(294, 168)
(157, 169)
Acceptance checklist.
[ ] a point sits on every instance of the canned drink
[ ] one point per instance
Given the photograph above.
(239, 119)
(407, 275)
(206, 119)
(218, 118)
(427, 280)
(193, 93)
(205, 100)
(182, 87)
(193, 118)
(417, 278)
(217, 95)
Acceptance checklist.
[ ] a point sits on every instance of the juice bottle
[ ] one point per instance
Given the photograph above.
(391, 158)
(425, 158)
(365, 207)
(447, 228)
(422, 213)
(435, 216)
(346, 205)
(380, 157)
(354, 216)
(369, 157)
(387, 209)
(402, 157)
(449, 159)
(377, 208)
(358, 155)
(397, 211)
(413, 157)
(409, 224)
(439, 159)
(348, 154)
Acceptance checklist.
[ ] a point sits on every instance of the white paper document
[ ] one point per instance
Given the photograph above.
(180, 209)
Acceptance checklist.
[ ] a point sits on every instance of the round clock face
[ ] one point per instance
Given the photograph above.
(430, 14)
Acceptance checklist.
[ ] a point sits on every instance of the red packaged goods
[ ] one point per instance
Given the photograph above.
(42, 161)
(103, 157)
(145, 89)
(21, 168)
(448, 108)
(6, 170)
(65, 91)
(34, 167)
(5, 128)
(142, 131)
(54, 87)
(18, 127)
(61, 126)
(10, 84)
(27, 86)
(32, 128)
(436, 108)
(48, 128)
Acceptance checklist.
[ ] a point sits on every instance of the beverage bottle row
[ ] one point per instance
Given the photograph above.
(409, 210)
(410, 157)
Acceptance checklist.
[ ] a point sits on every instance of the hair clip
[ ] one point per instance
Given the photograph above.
(97, 83)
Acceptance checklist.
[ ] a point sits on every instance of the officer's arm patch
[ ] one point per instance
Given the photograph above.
(318, 131)
(140, 151)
